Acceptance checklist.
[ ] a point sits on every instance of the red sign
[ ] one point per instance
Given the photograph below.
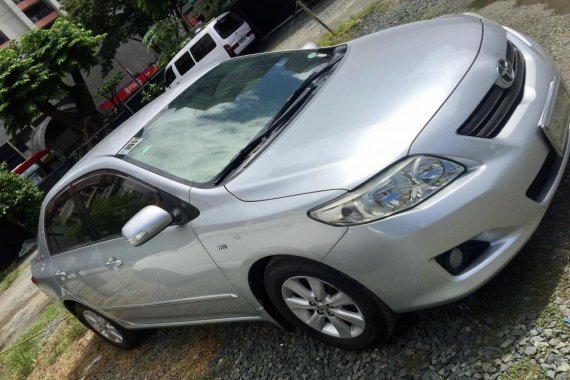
(130, 88)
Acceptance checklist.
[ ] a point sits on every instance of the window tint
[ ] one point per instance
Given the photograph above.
(184, 63)
(201, 49)
(228, 24)
(169, 77)
(65, 229)
(111, 201)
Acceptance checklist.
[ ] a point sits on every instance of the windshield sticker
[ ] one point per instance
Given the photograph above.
(146, 149)
(130, 145)
(311, 55)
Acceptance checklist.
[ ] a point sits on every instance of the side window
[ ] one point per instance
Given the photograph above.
(64, 227)
(169, 76)
(201, 48)
(184, 63)
(112, 200)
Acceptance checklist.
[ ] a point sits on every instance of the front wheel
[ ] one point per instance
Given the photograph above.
(110, 331)
(327, 304)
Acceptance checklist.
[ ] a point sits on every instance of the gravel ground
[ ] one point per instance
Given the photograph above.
(303, 29)
(512, 328)
(20, 305)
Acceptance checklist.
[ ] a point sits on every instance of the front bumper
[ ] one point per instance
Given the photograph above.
(395, 257)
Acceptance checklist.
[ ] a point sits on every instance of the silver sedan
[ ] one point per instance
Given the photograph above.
(325, 189)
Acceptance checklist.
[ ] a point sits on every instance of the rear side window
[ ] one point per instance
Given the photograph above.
(111, 201)
(228, 24)
(169, 77)
(65, 229)
(204, 46)
(184, 63)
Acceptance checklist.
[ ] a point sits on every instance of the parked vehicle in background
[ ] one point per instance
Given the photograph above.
(224, 37)
(329, 188)
(44, 169)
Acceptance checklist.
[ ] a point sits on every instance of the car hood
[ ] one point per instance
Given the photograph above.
(367, 114)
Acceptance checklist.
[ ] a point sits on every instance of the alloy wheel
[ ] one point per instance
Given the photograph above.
(103, 326)
(323, 307)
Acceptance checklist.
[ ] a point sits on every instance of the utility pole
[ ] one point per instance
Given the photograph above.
(310, 13)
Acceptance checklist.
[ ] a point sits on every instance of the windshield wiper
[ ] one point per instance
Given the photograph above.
(308, 85)
(290, 108)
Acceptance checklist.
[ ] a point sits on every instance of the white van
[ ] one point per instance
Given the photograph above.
(224, 37)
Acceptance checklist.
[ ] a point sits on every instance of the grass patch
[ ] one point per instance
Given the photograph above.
(19, 362)
(524, 370)
(345, 31)
(70, 333)
(9, 275)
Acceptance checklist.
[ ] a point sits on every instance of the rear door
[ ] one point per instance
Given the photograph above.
(76, 263)
(231, 28)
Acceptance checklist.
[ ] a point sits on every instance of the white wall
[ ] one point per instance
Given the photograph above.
(13, 21)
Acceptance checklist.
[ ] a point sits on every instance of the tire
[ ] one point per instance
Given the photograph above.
(107, 329)
(347, 315)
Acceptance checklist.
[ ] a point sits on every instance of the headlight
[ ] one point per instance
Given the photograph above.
(399, 188)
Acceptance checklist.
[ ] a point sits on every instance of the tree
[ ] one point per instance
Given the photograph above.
(108, 90)
(34, 71)
(164, 37)
(160, 10)
(20, 200)
(119, 20)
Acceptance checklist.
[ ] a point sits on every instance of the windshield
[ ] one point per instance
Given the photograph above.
(201, 130)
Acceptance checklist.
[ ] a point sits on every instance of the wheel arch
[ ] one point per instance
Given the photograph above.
(70, 306)
(256, 283)
(257, 286)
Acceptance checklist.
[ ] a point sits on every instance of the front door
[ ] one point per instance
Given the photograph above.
(76, 263)
(171, 276)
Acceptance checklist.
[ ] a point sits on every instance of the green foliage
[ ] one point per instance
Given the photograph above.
(215, 7)
(23, 84)
(20, 361)
(8, 276)
(164, 37)
(524, 370)
(63, 48)
(32, 72)
(345, 31)
(118, 20)
(20, 199)
(151, 91)
(160, 9)
(109, 88)
(72, 332)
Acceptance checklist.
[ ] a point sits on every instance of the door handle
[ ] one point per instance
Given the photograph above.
(60, 274)
(113, 262)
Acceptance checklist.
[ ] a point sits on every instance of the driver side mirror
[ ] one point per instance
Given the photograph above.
(145, 225)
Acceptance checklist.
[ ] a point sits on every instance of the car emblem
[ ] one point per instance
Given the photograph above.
(506, 74)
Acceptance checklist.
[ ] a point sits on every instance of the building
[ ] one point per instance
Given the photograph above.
(16, 18)
(19, 16)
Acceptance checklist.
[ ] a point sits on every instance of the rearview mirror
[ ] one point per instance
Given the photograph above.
(145, 225)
